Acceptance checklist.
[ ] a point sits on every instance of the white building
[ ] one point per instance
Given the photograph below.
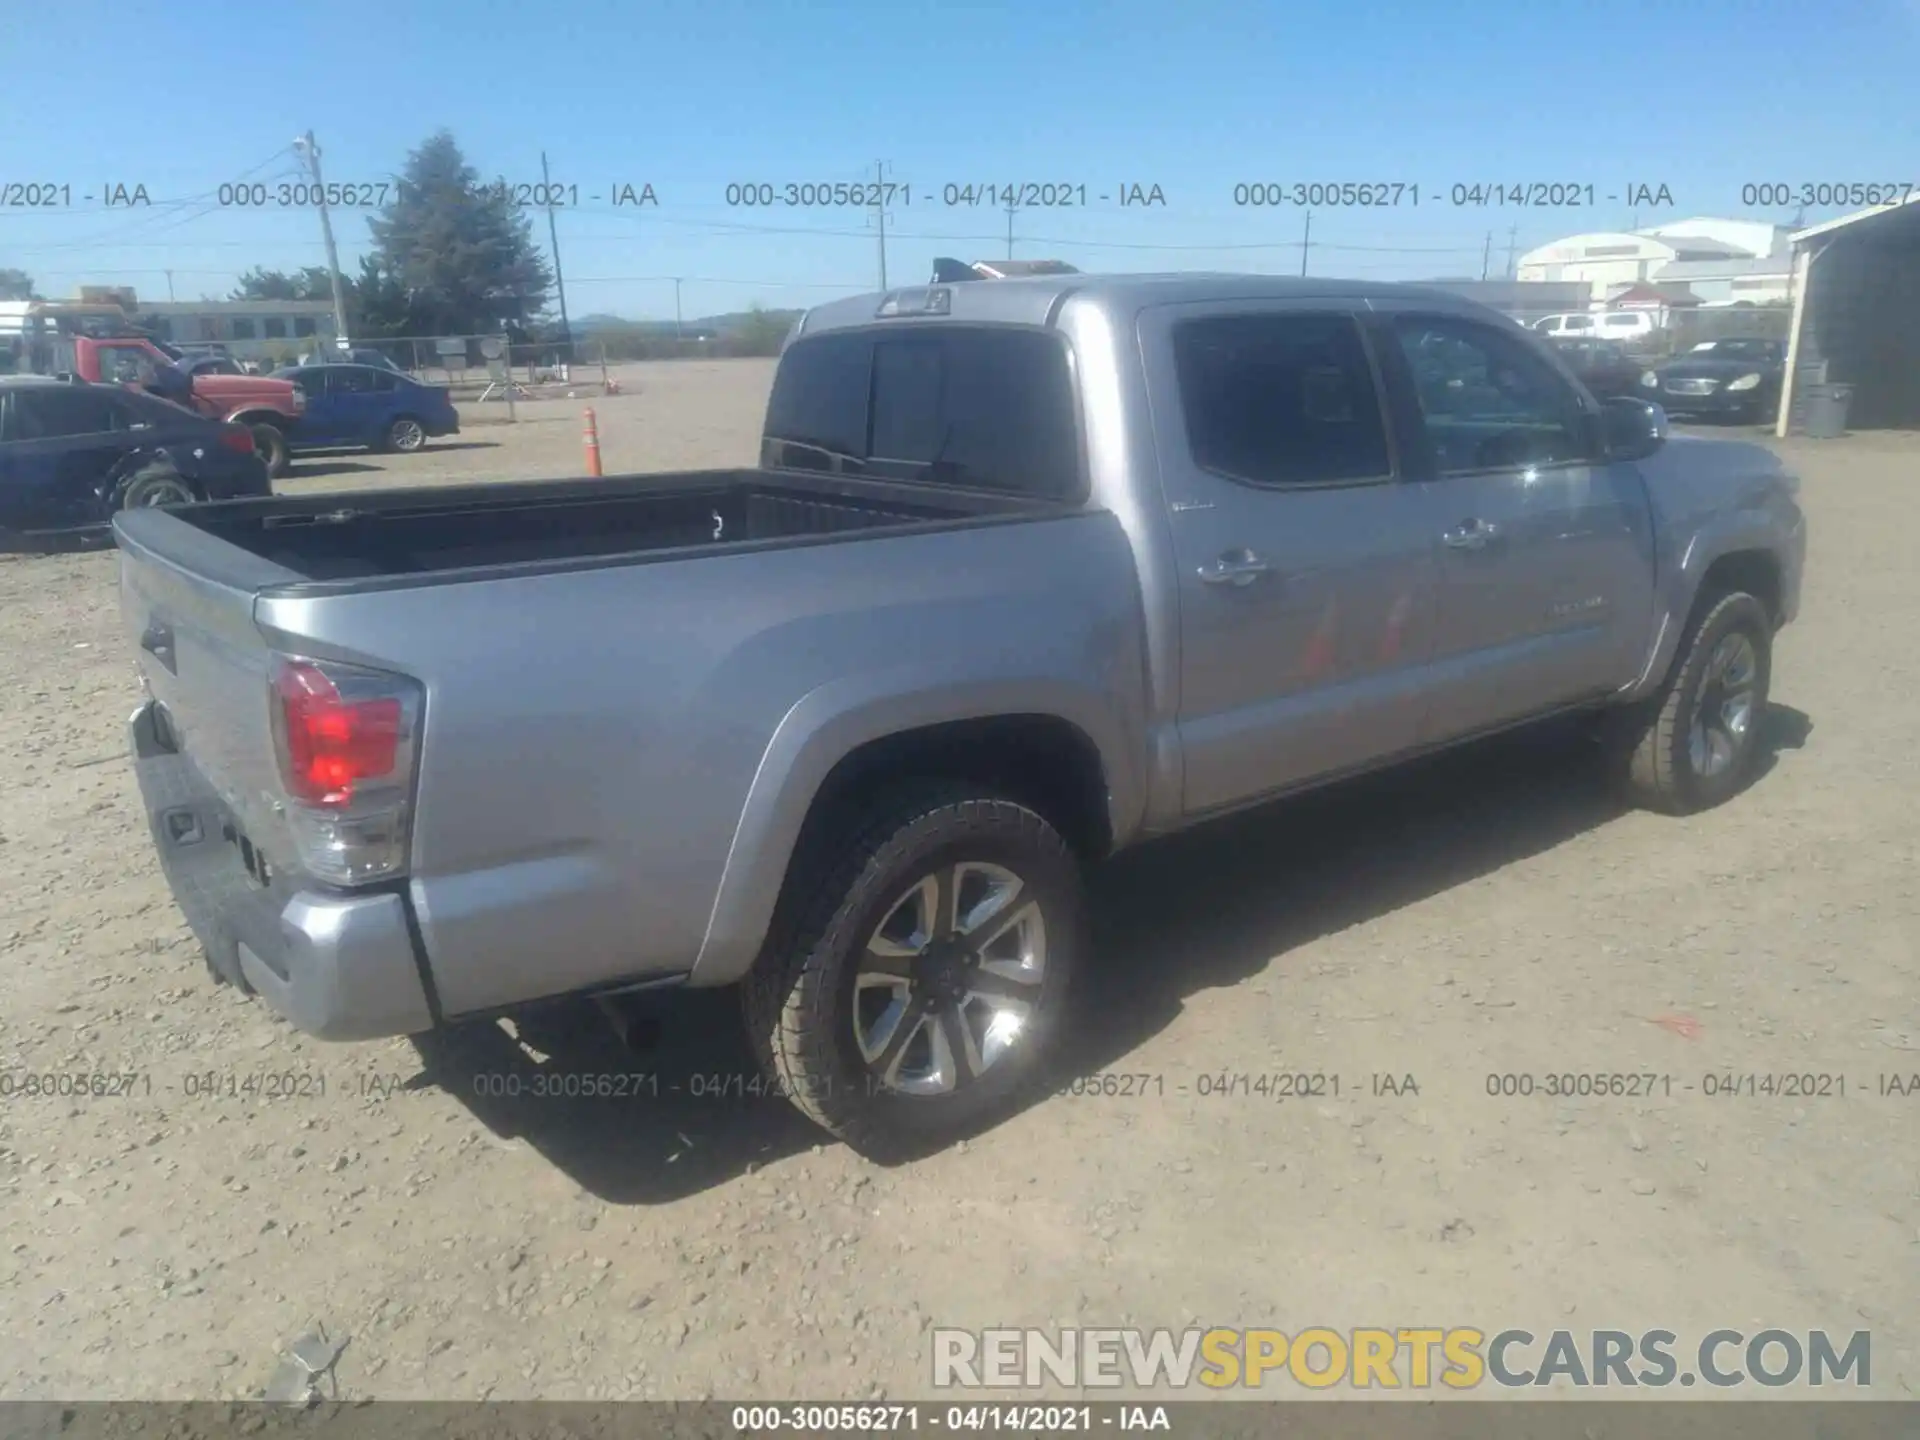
(1722, 262)
(250, 329)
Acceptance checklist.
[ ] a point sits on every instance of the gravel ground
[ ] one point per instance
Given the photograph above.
(1487, 913)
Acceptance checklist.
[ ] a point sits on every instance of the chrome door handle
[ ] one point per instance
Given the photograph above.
(1236, 567)
(1470, 535)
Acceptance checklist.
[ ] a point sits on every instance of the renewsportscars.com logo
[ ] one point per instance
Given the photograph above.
(1458, 1357)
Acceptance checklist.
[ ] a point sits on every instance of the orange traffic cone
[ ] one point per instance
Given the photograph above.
(593, 444)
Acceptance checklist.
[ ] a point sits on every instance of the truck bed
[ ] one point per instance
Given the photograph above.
(391, 534)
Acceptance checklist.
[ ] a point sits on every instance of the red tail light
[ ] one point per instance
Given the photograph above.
(330, 744)
(237, 437)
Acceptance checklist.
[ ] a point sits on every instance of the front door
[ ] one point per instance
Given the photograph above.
(63, 441)
(1545, 547)
(1306, 568)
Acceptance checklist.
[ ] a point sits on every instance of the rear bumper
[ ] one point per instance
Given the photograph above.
(338, 966)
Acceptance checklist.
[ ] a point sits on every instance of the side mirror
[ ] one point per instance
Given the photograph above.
(1634, 428)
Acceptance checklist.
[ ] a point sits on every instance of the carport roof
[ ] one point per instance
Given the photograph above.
(1908, 210)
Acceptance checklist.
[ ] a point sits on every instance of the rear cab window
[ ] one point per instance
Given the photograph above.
(982, 407)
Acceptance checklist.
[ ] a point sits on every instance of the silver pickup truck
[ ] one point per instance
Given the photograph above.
(1031, 571)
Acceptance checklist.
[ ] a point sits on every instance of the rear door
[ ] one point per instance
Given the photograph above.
(1545, 548)
(1306, 565)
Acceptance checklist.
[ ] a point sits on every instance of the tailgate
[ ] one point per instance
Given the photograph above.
(187, 601)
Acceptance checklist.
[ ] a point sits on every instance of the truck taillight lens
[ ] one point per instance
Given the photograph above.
(345, 738)
(237, 437)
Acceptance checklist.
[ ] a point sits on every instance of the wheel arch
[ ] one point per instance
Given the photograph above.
(1739, 557)
(1049, 744)
(252, 417)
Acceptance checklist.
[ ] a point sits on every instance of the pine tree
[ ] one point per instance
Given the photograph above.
(463, 254)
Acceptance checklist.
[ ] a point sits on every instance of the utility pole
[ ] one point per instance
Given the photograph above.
(553, 239)
(880, 214)
(307, 146)
(1513, 234)
(1010, 211)
(169, 287)
(1486, 256)
(676, 310)
(1306, 239)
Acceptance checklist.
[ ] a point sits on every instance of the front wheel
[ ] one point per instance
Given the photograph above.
(406, 435)
(1694, 744)
(272, 445)
(918, 986)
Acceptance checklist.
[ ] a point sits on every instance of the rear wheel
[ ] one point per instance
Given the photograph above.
(917, 988)
(152, 486)
(1694, 744)
(272, 445)
(406, 435)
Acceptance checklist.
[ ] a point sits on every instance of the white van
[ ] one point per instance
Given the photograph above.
(1627, 325)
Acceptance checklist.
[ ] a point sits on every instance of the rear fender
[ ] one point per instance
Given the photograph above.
(835, 720)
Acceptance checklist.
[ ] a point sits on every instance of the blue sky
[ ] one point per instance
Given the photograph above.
(689, 96)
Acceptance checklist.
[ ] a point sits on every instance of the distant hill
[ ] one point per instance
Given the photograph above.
(729, 324)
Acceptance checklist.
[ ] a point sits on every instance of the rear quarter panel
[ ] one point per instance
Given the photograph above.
(607, 750)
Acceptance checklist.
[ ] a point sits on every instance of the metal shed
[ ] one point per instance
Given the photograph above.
(1856, 317)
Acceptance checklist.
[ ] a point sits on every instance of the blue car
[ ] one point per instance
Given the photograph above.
(364, 405)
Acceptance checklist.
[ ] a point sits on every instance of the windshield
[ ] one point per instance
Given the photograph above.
(1738, 349)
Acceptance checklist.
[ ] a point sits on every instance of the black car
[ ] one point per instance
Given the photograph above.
(71, 454)
(1720, 379)
(1603, 367)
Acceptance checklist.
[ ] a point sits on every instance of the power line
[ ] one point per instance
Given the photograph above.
(167, 207)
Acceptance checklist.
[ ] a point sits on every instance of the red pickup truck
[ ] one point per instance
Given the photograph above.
(268, 407)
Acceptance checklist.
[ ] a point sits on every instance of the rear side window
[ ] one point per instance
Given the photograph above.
(1280, 399)
(46, 413)
(982, 408)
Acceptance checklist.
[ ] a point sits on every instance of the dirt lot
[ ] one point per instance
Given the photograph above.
(1490, 913)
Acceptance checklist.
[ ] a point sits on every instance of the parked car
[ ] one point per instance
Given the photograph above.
(268, 407)
(350, 357)
(71, 454)
(1629, 326)
(1720, 379)
(1603, 367)
(1030, 572)
(365, 405)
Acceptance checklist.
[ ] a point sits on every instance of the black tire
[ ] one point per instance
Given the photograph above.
(800, 999)
(405, 434)
(153, 485)
(272, 445)
(1655, 757)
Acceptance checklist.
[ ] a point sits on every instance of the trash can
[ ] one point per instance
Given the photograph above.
(1827, 411)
